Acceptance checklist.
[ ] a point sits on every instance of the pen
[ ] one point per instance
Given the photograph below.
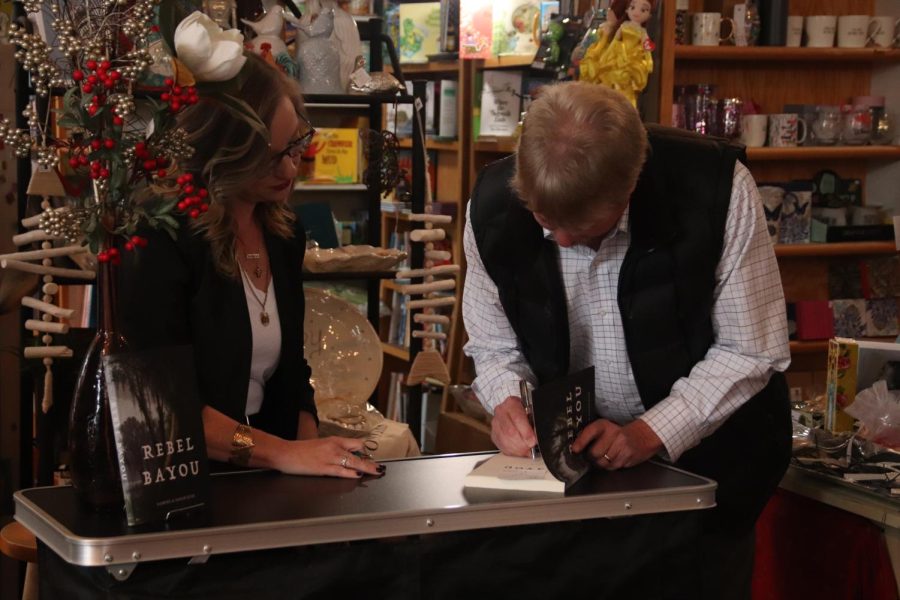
(525, 394)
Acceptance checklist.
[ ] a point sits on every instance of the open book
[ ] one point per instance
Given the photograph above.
(561, 409)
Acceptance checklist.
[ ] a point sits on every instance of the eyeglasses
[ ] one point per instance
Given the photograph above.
(295, 148)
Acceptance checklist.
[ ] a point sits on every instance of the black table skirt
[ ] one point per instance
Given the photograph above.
(643, 557)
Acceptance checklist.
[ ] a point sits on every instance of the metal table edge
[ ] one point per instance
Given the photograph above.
(92, 552)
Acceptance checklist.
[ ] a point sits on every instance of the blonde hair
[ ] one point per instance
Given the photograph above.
(580, 154)
(230, 153)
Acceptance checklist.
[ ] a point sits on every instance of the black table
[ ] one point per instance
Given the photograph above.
(413, 533)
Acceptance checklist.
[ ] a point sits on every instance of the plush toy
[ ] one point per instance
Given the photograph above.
(622, 56)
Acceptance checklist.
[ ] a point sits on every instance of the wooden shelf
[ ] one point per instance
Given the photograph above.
(395, 351)
(450, 66)
(824, 153)
(506, 62)
(783, 54)
(835, 249)
(499, 145)
(817, 346)
(432, 144)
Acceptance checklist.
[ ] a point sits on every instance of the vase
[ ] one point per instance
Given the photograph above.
(94, 465)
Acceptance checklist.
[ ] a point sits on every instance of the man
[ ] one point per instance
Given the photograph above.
(644, 253)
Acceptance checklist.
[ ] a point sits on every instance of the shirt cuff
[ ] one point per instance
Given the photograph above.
(674, 430)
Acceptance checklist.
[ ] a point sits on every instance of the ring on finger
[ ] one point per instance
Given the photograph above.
(344, 461)
(607, 458)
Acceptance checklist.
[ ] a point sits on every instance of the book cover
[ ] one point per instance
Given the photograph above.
(853, 365)
(849, 317)
(445, 109)
(337, 156)
(155, 407)
(475, 29)
(515, 25)
(420, 31)
(561, 409)
(500, 102)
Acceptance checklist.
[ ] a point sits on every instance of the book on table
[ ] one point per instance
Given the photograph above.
(561, 409)
(156, 415)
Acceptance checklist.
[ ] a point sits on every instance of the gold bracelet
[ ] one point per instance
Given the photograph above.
(242, 445)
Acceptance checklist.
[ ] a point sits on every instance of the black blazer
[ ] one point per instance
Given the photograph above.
(170, 293)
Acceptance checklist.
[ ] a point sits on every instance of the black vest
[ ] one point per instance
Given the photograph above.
(677, 220)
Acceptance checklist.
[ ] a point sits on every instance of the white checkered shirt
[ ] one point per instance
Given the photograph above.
(748, 319)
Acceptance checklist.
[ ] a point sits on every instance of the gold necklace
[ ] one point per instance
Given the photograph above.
(263, 315)
(257, 256)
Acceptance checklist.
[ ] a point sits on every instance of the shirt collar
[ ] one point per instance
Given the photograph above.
(621, 226)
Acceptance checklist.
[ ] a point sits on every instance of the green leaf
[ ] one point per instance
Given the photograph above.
(164, 208)
(167, 220)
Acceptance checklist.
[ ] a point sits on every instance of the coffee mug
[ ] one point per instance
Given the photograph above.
(786, 130)
(853, 31)
(831, 216)
(883, 32)
(707, 29)
(866, 215)
(794, 31)
(772, 197)
(820, 31)
(753, 130)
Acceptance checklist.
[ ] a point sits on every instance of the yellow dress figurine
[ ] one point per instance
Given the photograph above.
(622, 57)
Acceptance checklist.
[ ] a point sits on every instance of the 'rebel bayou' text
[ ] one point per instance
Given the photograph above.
(169, 472)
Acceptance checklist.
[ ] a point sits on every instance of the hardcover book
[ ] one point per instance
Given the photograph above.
(561, 409)
(155, 408)
(420, 31)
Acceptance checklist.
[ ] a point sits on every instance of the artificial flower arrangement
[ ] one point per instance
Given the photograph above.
(123, 146)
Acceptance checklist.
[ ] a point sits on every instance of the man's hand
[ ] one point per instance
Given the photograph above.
(510, 430)
(611, 446)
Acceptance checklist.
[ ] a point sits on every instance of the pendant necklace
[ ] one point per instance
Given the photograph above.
(263, 315)
(257, 256)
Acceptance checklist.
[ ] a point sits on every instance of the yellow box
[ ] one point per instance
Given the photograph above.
(843, 357)
(337, 156)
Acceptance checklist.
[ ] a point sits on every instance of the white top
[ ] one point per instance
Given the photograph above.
(749, 323)
(266, 342)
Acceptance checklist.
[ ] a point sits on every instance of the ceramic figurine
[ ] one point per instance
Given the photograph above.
(341, 41)
(268, 43)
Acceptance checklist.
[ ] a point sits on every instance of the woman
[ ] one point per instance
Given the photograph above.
(230, 285)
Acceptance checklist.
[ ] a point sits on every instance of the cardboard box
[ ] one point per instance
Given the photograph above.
(853, 365)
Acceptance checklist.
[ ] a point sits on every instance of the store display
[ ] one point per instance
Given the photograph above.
(342, 349)
(155, 406)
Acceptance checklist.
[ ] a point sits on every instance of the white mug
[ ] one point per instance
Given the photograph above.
(883, 31)
(853, 31)
(753, 130)
(820, 31)
(831, 216)
(707, 29)
(794, 31)
(866, 215)
(786, 130)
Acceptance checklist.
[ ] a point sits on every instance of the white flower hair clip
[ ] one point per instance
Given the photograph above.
(208, 52)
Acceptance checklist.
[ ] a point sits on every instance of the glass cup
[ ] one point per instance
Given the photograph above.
(826, 126)
(857, 125)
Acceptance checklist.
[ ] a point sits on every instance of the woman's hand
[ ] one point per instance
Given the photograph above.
(332, 456)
